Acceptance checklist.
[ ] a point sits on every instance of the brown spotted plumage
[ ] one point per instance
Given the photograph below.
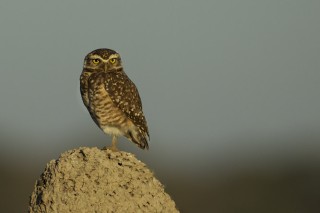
(112, 99)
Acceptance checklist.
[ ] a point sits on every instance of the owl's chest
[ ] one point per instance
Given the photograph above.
(103, 110)
(100, 99)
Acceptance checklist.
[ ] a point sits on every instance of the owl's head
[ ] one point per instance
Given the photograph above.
(103, 60)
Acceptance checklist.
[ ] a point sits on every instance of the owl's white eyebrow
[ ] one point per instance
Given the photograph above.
(113, 56)
(102, 59)
(97, 57)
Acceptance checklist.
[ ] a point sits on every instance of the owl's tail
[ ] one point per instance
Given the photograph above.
(139, 138)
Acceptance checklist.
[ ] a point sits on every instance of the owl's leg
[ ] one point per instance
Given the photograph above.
(113, 147)
(114, 143)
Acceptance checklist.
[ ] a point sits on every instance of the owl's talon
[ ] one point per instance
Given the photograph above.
(112, 148)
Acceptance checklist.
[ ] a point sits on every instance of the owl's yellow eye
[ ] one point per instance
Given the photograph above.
(113, 60)
(95, 61)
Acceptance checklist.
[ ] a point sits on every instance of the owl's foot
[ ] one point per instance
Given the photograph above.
(112, 148)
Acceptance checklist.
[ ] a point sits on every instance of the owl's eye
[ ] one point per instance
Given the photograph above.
(95, 61)
(113, 60)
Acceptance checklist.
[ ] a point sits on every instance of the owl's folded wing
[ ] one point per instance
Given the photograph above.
(124, 94)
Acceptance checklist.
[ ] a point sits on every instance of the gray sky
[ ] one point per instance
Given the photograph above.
(222, 82)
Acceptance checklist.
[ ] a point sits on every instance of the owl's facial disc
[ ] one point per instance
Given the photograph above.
(113, 63)
(104, 63)
(92, 61)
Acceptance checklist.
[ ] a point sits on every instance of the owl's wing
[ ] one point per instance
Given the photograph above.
(84, 88)
(124, 94)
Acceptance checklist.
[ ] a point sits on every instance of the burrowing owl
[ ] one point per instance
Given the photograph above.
(112, 99)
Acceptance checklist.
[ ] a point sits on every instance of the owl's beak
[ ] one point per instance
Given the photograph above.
(106, 68)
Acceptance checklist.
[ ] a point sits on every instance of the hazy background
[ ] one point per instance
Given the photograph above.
(230, 91)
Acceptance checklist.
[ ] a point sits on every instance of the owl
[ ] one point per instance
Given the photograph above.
(112, 99)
